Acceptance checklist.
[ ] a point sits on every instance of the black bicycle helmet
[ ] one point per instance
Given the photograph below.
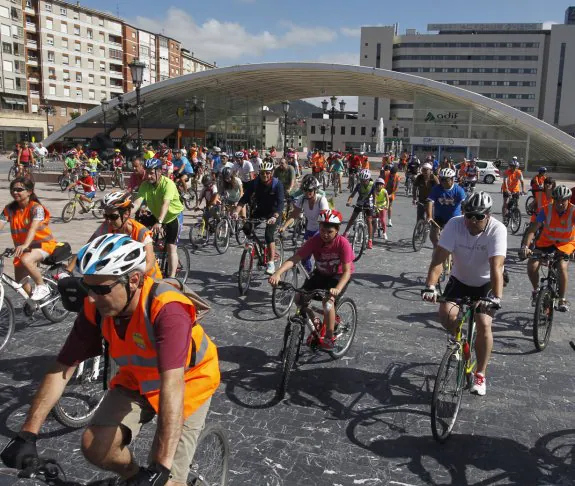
(310, 184)
(226, 174)
(207, 180)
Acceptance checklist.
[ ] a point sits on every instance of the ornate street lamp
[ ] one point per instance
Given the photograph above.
(105, 104)
(137, 71)
(285, 105)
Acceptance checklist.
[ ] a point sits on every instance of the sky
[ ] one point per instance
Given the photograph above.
(252, 31)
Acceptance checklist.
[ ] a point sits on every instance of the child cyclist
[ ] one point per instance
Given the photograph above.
(333, 256)
(364, 191)
(381, 203)
(86, 182)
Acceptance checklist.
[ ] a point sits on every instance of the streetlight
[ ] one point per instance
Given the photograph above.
(285, 105)
(105, 104)
(49, 110)
(137, 71)
(332, 112)
(195, 107)
(322, 130)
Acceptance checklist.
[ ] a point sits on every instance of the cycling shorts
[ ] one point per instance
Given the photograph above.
(173, 229)
(90, 195)
(269, 235)
(178, 175)
(456, 289)
(367, 208)
(507, 195)
(552, 249)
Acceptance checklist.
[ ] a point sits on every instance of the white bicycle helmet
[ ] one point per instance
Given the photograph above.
(111, 254)
(117, 200)
(239, 155)
(267, 166)
(478, 203)
(365, 175)
(446, 173)
(560, 193)
(330, 216)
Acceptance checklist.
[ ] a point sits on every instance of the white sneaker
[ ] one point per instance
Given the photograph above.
(270, 268)
(384, 236)
(389, 223)
(40, 292)
(478, 387)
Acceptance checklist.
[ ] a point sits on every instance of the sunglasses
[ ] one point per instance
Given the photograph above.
(112, 217)
(265, 172)
(98, 289)
(17, 189)
(476, 217)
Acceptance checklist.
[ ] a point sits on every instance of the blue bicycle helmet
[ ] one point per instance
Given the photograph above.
(542, 170)
(153, 164)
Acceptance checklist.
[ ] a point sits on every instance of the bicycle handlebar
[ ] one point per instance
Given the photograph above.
(311, 293)
(552, 256)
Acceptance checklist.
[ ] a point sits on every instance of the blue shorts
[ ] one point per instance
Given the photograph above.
(90, 195)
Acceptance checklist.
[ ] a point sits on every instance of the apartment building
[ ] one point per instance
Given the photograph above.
(191, 64)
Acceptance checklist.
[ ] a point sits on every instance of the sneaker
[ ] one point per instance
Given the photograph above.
(270, 268)
(327, 344)
(534, 294)
(478, 387)
(389, 223)
(369, 244)
(563, 306)
(40, 292)
(384, 236)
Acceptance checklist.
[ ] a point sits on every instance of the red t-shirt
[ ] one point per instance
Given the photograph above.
(172, 330)
(328, 258)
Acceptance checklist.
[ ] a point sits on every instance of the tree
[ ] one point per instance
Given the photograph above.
(74, 114)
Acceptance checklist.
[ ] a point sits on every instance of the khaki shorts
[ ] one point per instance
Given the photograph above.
(127, 408)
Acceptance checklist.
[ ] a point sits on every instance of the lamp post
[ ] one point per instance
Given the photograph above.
(285, 105)
(322, 130)
(137, 70)
(49, 110)
(196, 106)
(105, 104)
(332, 112)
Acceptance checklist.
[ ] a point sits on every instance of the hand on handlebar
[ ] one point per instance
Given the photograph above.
(525, 253)
(274, 280)
(19, 250)
(21, 447)
(153, 475)
(430, 294)
(271, 220)
(489, 303)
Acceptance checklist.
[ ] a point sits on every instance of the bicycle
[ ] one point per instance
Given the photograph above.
(344, 333)
(187, 195)
(99, 180)
(256, 248)
(546, 300)
(22, 170)
(358, 233)
(351, 180)
(456, 371)
(51, 306)
(161, 252)
(408, 184)
(530, 203)
(513, 217)
(69, 176)
(69, 210)
(335, 181)
(209, 467)
(118, 178)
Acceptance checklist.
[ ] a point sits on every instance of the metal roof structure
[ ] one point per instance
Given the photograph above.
(228, 89)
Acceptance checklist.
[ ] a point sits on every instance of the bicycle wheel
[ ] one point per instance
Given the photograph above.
(69, 211)
(183, 269)
(98, 211)
(101, 183)
(199, 234)
(54, 311)
(210, 466)
(447, 393)
(282, 299)
(222, 236)
(189, 199)
(11, 173)
(298, 231)
(345, 327)
(279, 254)
(83, 393)
(7, 321)
(113, 180)
(529, 205)
(515, 220)
(357, 240)
(419, 235)
(543, 319)
(240, 235)
(245, 271)
(121, 181)
(64, 183)
(290, 352)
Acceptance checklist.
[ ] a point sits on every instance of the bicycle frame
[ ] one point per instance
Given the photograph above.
(467, 315)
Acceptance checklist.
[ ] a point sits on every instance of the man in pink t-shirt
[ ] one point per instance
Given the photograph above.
(334, 257)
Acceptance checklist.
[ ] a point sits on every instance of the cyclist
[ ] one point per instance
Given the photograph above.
(118, 161)
(364, 160)
(444, 202)
(230, 186)
(364, 191)
(310, 203)
(163, 201)
(138, 175)
(168, 366)
(470, 175)
(212, 197)
(318, 166)
(461, 170)
(256, 161)
(86, 182)
(216, 160)
(446, 163)
(391, 180)
(333, 257)
(244, 169)
(512, 181)
(268, 195)
(337, 167)
(538, 181)
(381, 203)
(183, 170)
(71, 162)
(542, 198)
(29, 221)
(286, 175)
(117, 211)
(422, 186)
(94, 162)
(25, 158)
(354, 165)
(478, 243)
(412, 169)
(557, 224)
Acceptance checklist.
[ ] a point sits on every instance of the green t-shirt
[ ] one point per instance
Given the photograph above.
(149, 154)
(156, 195)
(70, 162)
(93, 163)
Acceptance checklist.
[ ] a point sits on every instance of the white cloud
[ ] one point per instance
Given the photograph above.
(548, 23)
(230, 41)
(351, 32)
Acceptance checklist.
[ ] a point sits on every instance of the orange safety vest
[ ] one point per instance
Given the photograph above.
(318, 164)
(511, 181)
(394, 183)
(541, 200)
(558, 230)
(138, 233)
(364, 162)
(137, 357)
(538, 181)
(20, 221)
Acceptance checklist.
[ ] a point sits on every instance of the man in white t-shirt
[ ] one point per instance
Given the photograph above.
(244, 169)
(478, 244)
(256, 161)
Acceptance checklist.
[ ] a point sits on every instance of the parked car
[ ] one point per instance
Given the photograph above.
(488, 173)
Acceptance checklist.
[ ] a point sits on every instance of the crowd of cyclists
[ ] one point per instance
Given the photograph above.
(172, 370)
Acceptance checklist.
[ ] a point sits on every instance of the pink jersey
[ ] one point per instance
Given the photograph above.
(328, 258)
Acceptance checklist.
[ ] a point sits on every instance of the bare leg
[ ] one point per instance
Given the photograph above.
(172, 260)
(104, 447)
(484, 341)
(30, 263)
(448, 316)
(533, 273)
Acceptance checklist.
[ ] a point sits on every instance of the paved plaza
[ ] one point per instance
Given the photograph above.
(362, 420)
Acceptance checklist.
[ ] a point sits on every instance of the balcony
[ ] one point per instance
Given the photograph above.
(34, 94)
(31, 44)
(33, 78)
(32, 61)
(30, 27)
(116, 74)
(30, 11)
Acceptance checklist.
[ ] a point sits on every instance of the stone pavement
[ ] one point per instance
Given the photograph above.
(362, 420)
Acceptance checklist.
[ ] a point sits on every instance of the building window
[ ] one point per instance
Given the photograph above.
(62, 111)
(133, 35)
(91, 95)
(90, 33)
(363, 131)
(76, 30)
(102, 81)
(102, 37)
(342, 130)
(78, 62)
(102, 66)
(52, 90)
(48, 7)
(77, 46)
(50, 40)
(91, 64)
(353, 130)
(312, 128)
(90, 49)
(65, 43)
(52, 73)
(90, 78)
(79, 93)
(66, 76)
(6, 48)
(101, 22)
(67, 91)
(78, 77)
(65, 59)
(51, 56)
(63, 12)
(49, 24)
(64, 27)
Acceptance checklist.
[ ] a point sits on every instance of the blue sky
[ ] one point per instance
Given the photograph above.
(249, 31)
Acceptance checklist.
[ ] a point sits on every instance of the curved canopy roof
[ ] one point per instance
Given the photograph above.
(228, 89)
